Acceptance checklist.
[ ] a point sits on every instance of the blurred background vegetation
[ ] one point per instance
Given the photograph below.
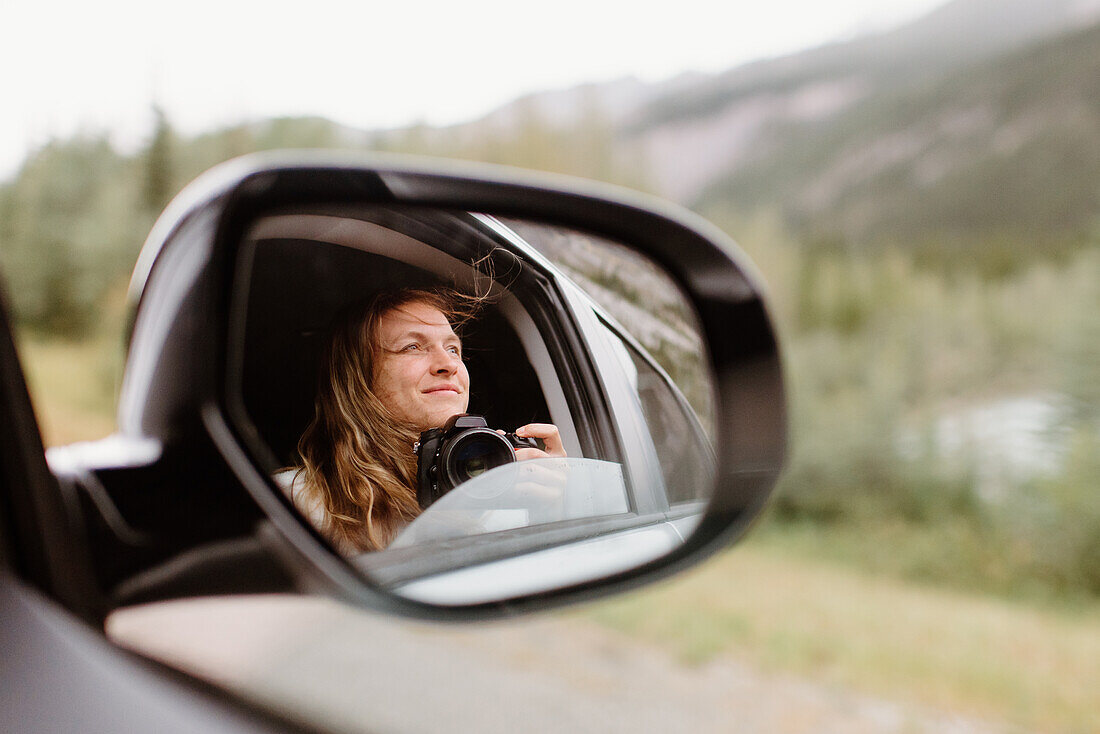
(927, 220)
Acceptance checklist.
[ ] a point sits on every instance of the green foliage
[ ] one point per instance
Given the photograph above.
(878, 351)
(159, 165)
(72, 223)
(1079, 345)
(1059, 537)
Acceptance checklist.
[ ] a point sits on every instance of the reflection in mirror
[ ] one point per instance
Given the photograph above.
(641, 297)
(360, 332)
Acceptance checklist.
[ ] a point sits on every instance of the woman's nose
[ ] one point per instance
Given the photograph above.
(444, 362)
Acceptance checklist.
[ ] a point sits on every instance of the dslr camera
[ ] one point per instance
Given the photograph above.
(462, 449)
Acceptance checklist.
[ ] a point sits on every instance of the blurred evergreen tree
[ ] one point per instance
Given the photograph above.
(159, 185)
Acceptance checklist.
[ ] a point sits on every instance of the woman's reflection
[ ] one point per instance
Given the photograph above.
(392, 368)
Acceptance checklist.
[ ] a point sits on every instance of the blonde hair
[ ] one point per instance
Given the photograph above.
(357, 457)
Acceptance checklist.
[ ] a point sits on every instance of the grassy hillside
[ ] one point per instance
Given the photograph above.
(785, 611)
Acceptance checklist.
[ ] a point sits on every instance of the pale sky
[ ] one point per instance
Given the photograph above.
(98, 66)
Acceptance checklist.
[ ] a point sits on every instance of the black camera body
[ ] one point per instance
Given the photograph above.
(462, 449)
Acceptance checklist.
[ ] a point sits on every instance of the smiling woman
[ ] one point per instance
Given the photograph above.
(358, 387)
(420, 375)
(392, 369)
(357, 481)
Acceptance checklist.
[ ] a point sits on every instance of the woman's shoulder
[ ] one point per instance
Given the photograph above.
(306, 500)
(286, 478)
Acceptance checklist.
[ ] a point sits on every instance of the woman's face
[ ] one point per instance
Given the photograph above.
(420, 375)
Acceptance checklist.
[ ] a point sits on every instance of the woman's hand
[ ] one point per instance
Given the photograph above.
(548, 432)
(543, 485)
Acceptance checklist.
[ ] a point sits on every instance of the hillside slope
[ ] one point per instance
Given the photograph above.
(1009, 146)
(702, 129)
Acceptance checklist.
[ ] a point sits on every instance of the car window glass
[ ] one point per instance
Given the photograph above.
(642, 299)
(520, 495)
(683, 449)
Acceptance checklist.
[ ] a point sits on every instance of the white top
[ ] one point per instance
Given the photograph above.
(309, 504)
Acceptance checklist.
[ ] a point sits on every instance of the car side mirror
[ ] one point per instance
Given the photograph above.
(635, 329)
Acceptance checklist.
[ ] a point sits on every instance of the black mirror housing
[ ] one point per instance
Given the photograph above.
(181, 377)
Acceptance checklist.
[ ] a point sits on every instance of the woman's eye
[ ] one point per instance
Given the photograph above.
(453, 350)
(411, 347)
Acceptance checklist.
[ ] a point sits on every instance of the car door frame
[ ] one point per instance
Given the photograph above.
(59, 672)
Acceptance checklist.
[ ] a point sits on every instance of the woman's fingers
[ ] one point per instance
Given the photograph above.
(525, 454)
(548, 432)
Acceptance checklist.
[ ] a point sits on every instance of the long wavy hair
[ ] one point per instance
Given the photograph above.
(357, 457)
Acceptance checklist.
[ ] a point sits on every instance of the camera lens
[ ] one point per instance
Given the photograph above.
(475, 452)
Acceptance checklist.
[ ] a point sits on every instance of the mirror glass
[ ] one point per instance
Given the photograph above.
(360, 332)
